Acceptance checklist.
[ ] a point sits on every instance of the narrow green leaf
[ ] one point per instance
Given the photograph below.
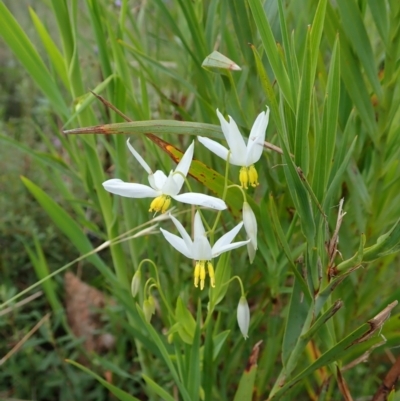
(246, 384)
(282, 239)
(120, 394)
(222, 276)
(298, 311)
(271, 50)
(67, 225)
(22, 47)
(187, 324)
(52, 50)
(359, 335)
(326, 139)
(301, 150)
(157, 389)
(164, 354)
(316, 34)
(386, 244)
(379, 14)
(350, 72)
(356, 33)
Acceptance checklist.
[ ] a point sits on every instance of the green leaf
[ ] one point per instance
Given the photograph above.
(350, 72)
(51, 49)
(187, 325)
(120, 394)
(157, 389)
(387, 244)
(337, 352)
(22, 47)
(356, 33)
(326, 139)
(222, 276)
(245, 389)
(67, 225)
(271, 50)
(301, 150)
(298, 311)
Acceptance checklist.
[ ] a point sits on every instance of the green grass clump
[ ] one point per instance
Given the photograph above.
(322, 289)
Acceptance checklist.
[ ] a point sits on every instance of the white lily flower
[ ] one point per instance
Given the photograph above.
(200, 249)
(241, 154)
(163, 188)
(250, 225)
(243, 316)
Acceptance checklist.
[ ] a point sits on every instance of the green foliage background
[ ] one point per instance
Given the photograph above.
(329, 71)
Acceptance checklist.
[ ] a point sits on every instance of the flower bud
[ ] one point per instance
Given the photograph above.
(135, 285)
(250, 225)
(147, 310)
(243, 316)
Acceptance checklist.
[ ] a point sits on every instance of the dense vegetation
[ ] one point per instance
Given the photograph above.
(322, 289)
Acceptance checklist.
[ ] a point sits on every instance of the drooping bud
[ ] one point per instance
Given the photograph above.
(147, 310)
(250, 225)
(135, 285)
(243, 316)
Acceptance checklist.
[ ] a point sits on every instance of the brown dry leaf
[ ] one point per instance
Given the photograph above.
(83, 305)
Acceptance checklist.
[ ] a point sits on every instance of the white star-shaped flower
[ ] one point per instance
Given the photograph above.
(163, 188)
(200, 249)
(242, 154)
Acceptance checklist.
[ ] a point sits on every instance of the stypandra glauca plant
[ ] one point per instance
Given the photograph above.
(274, 165)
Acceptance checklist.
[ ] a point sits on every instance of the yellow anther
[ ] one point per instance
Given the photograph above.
(253, 176)
(210, 268)
(196, 274)
(166, 204)
(244, 177)
(202, 274)
(160, 204)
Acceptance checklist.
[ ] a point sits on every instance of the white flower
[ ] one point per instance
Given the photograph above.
(163, 188)
(243, 316)
(250, 225)
(241, 154)
(200, 249)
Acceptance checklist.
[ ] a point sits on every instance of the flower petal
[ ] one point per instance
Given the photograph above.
(183, 166)
(185, 236)
(139, 158)
(130, 190)
(215, 147)
(177, 242)
(198, 227)
(201, 248)
(157, 180)
(227, 238)
(170, 187)
(255, 145)
(193, 198)
(233, 137)
(229, 247)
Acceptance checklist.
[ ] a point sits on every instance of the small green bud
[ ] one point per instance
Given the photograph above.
(147, 310)
(135, 285)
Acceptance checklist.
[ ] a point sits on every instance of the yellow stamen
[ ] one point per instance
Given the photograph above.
(202, 274)
(244, 177)
(210, 268)
(160, 204)
(196, 274)
(253, 176)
